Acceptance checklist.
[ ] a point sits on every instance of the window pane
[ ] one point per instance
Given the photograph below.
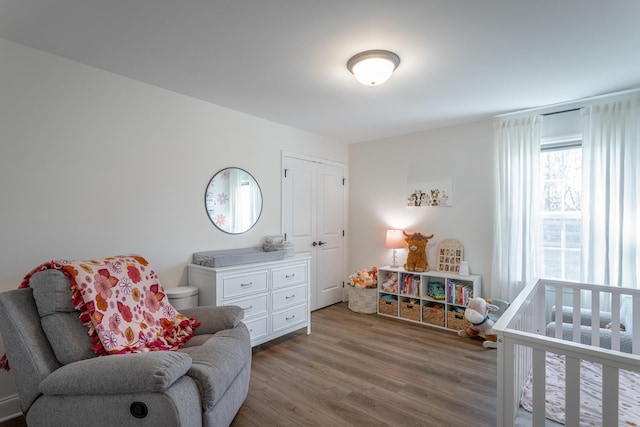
(552, 265)
(561, 183)
(572, 265)
(553, 196)
(552, 232)
(573, 233)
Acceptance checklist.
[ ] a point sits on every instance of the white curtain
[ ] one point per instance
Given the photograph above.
(611, 193)
(517, 203)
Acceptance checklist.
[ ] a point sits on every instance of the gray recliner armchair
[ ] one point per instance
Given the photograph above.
(62, 382)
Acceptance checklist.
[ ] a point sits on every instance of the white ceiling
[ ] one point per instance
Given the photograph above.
(285, 60)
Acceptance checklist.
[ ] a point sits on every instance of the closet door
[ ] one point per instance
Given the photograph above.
(313, 220)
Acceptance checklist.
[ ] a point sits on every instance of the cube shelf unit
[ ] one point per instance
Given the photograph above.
(433, 298)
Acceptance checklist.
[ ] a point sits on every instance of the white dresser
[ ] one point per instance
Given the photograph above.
(274, 295)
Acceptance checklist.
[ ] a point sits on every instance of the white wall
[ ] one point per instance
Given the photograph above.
(379, 174)
(93, 164)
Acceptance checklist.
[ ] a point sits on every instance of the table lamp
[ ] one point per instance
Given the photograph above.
(395, 240)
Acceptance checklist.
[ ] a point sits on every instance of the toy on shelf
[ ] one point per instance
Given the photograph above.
(435, 290)
(477, 313)
(390, 283)
(417, 255)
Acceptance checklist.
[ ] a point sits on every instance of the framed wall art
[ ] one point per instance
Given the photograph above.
(430, 194)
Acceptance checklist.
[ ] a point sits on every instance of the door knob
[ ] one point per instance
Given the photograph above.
(314, 244)
(321, 243)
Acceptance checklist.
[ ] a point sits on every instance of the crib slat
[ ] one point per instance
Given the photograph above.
(635, 331)
(559, 316)
(610, 395)
(595, 318)
(576, 315)
(539, 387)
(572, 392)
(615, 321)
(506, 388)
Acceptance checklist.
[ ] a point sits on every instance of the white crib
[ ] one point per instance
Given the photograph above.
(527, 331)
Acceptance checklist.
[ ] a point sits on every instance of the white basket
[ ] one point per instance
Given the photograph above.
(363, 300)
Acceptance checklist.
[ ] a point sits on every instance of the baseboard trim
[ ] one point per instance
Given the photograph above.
(9, 408)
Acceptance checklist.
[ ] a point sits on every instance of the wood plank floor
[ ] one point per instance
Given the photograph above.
(368, 370)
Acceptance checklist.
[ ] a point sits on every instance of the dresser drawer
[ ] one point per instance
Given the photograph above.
(245, 284)
(290, 296)
(257, 328)
(289, 275)
(287, 318)
(252, 306)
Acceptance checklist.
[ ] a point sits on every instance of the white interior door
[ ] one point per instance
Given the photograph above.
(313, 220)
(330, 232)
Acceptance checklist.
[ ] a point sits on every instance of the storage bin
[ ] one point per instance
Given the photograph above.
(456, 320)
(433, 314)
(363, 300)
(410, 310)
(389, 307)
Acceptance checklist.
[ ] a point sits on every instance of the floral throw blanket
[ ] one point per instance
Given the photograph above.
(123, 304)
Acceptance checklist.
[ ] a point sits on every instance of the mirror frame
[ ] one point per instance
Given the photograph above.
(206, 207)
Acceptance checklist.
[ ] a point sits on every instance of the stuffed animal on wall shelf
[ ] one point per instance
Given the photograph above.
(477, 313)
(417, 255)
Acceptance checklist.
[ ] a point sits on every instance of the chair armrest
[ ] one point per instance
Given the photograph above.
(119, 373)
(215, 318)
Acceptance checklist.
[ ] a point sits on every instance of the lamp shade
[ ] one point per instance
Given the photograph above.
(395, 239)
(373, 67)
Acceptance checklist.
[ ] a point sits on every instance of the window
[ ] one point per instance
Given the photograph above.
(561, 188)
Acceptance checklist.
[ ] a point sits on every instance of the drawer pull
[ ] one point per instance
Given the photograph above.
(287, 276)
(248, 308)
(292, 296)
(289, 318)
(246, 284)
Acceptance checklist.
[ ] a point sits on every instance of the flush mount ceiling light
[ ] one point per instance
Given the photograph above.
(373, 67)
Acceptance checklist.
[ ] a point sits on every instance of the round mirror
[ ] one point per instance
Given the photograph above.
(233, 200)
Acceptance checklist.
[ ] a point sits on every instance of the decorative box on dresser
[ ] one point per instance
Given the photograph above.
(274, 295)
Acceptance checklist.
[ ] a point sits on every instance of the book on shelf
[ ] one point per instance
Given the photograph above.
(459, 292)
(410, 285)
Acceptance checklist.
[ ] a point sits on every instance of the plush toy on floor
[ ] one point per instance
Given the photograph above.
(477, 313)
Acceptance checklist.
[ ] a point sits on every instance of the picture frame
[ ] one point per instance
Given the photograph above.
(438, 194)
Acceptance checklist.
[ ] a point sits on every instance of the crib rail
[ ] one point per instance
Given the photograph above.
(524, 339)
